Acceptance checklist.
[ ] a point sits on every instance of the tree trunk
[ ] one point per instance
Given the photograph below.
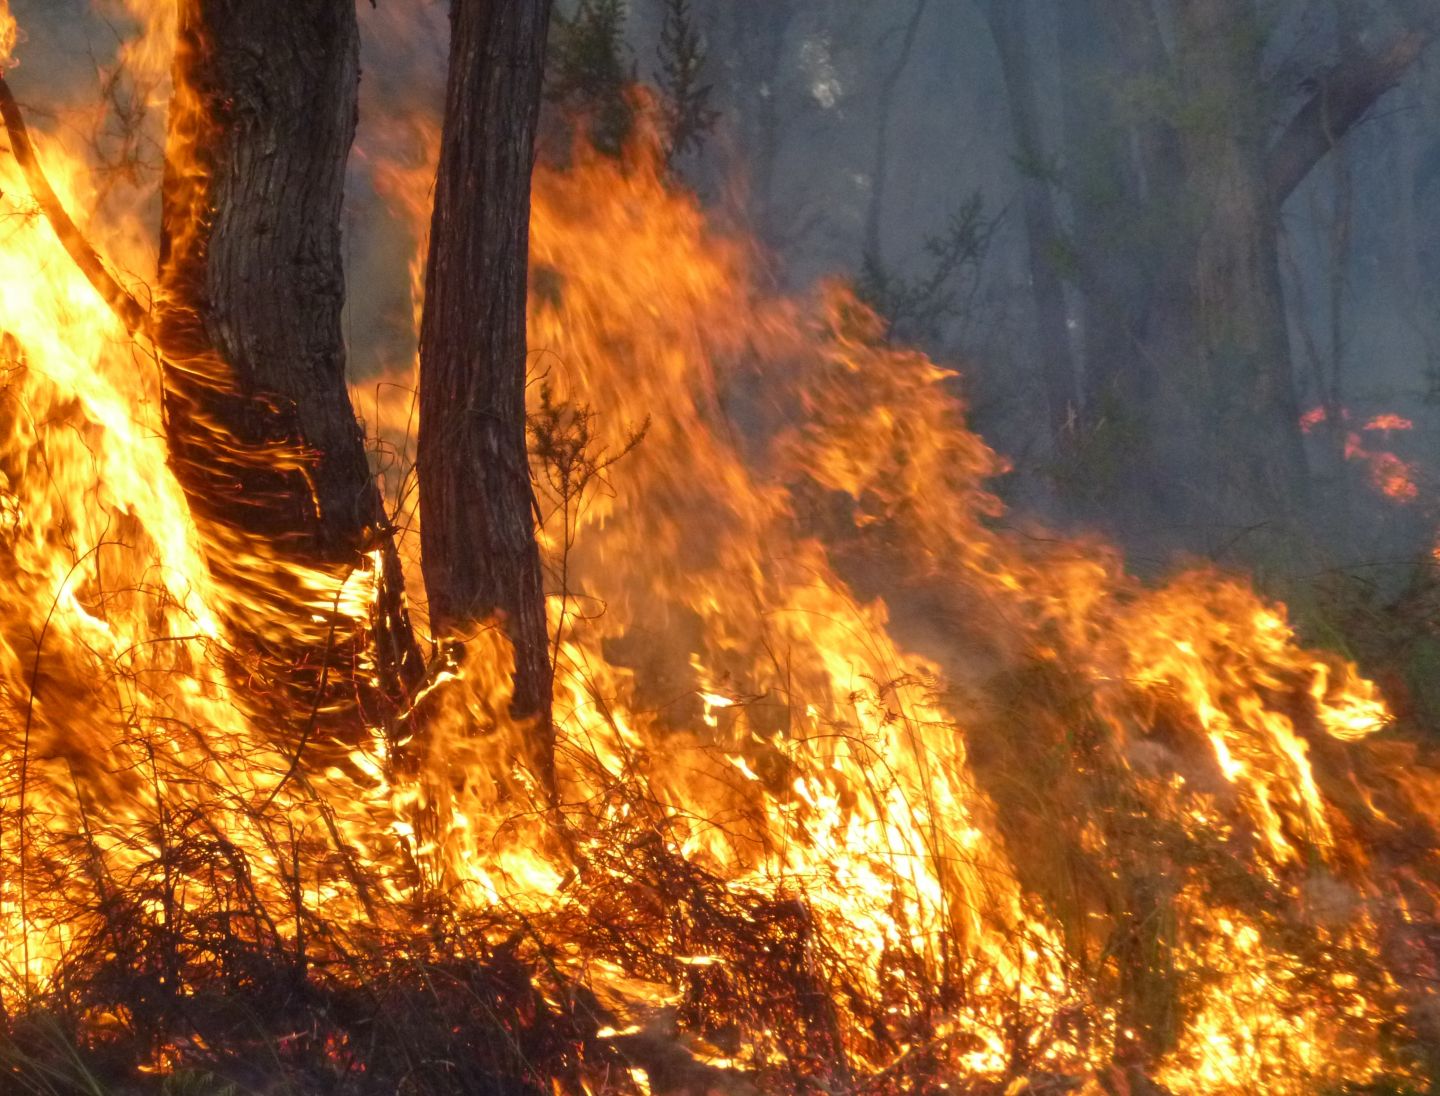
(1113, 171)
(1190, 399)
(1125, 182)
(1008, 26)
(1178, 254)
(476, 502)
(1229, 399)
(751, 41)
(262, 434)
(872, 250)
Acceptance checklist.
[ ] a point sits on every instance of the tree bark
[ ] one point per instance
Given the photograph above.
(262, 434)
(476, 502)
(1206, 376)
(1145, 57)
(1117, 170)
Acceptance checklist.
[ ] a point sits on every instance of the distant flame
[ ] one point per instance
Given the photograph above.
(1389, 475)
(9, 36)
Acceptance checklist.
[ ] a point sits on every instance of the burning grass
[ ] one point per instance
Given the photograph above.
(1009, 821)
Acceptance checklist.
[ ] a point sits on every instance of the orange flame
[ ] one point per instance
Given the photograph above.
(1389, 475)
(1001, 802)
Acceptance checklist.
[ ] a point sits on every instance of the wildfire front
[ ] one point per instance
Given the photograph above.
(767, 748)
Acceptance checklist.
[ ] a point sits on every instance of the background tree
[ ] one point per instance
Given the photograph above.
(1177, 181)
(476, 503)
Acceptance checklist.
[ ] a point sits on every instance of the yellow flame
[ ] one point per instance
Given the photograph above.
(1066, 796)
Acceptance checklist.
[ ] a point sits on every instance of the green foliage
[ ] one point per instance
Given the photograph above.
(591, 73)
(588, 71)
(917, 309)
(685, 97)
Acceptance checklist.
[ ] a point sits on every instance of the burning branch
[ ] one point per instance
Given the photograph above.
(126, 308)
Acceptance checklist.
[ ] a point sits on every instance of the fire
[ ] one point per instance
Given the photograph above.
(9, 31)
(1388, 422)
(1392, 477)
(1052, 822)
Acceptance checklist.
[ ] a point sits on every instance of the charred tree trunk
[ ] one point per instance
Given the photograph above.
(1008, 26)
(476, 510)
(262, 434)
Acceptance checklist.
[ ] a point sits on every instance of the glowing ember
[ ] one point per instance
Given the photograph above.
(1314, 417)
(1389, 475)
(1389, 422)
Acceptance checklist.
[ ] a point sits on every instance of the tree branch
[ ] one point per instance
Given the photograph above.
(1346, 94)
(126, 308)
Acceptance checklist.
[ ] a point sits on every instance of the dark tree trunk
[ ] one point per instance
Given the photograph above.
(262, 434)
(476, 501)
(1008, 26)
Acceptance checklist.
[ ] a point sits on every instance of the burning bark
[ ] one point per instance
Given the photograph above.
(261, 431)
(1142, 836)
(262, 434)
(476, 502)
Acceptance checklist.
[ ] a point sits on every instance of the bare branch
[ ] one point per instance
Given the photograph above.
(1346, 93)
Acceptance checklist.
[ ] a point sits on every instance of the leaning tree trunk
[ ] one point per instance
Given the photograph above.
(476, 502)
(262, 434)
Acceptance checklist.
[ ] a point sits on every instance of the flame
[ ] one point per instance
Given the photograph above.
(1389, 421)
(998, 805)
(9, 34)
(1392, 477)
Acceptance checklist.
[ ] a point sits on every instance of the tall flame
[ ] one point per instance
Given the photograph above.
(988, 804)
